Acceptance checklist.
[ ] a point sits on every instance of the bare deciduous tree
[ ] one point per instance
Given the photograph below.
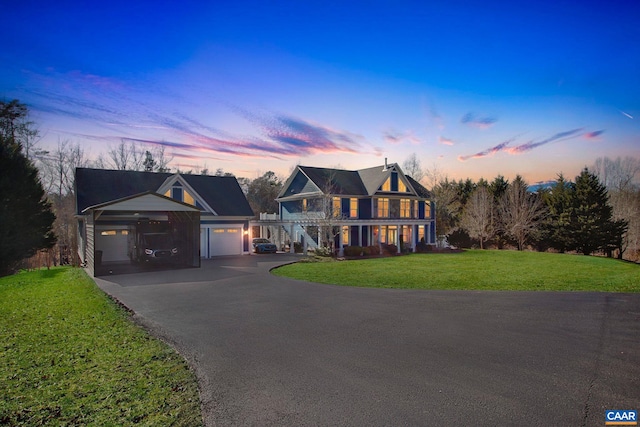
(412, 167)
(520, 211)
(622, 179)
(477, 217)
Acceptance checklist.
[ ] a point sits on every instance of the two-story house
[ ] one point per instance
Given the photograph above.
(374, 206)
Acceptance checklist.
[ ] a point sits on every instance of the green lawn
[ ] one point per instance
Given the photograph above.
(477, 270)
(71, 356)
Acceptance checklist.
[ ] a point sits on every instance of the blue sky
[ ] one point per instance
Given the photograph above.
(475, 89)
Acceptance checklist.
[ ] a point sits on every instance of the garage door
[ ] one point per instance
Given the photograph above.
(113, 242)
(225, 241)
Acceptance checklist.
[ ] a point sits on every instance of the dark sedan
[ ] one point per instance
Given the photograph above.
(263, 246)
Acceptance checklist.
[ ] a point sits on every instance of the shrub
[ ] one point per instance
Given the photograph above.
(374, 250)
(390, 249)
(353, 251)
(297, 247)
(324, 251)
(366, 251)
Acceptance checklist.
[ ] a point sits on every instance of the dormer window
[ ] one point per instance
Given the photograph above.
(394, 184)
(177, 192)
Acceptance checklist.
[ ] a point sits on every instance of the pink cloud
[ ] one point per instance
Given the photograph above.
(445, 141)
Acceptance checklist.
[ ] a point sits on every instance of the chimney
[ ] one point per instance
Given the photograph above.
(386, 166)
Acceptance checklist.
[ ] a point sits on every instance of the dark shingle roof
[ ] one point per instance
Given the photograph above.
(97, 186)
(340, 181)
(420, 189)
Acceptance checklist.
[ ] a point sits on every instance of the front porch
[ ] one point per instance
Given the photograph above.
(313, 233)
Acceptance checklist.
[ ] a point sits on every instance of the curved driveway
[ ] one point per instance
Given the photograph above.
(274, 351)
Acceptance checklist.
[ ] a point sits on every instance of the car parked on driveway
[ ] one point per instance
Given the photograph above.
(262, 246)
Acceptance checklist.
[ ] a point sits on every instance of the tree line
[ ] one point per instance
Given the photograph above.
(597, 212)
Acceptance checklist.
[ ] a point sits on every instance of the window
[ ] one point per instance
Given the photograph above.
(386, 186)
(305, 205)
(420, 233)
(188, 198)
(427, 209)
(416, 209)
(353, 208)
(383, 207)
(345, 235)
(337, 207)
(402, 188)
(108, 233)
(405, 208)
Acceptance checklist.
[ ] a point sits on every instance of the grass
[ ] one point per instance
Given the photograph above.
(476, 270)
(71, 356)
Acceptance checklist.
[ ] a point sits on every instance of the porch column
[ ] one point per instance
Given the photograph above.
(340, 243)
(304, 241)
(398, 238)
(291, 239)
(360, 235)
(414, 236)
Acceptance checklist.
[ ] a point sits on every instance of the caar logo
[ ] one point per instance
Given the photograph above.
(621, 418)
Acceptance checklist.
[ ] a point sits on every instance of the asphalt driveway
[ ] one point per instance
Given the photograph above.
(273, 351)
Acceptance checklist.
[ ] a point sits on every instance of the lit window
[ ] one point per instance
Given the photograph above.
(304, 205)
(420, 233)
(353, 208)
(345, 235)
(108, 233)
(232, 230)
(427, 209)
(387, 185)
(188, 198)
(125, 232)
(218, 230)
(405, 208)
(337, 208)
(383, 208)
(402, 188)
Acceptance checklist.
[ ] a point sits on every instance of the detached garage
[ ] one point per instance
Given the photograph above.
(142, 218)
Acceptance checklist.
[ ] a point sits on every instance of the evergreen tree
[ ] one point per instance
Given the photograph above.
(559, 203)
(592, 227)
(26, 218)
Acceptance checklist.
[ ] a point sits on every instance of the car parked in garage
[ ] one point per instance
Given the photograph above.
(262, 246)
(156, 247)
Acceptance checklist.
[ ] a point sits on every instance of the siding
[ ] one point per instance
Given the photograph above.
(91, 245)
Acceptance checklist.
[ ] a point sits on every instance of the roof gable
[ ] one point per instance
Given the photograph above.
(148, 201)
(98, 186)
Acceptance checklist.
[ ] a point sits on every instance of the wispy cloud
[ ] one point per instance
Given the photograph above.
(395, 137)
(523, 148)
(130, 115)
(488, 152)
(595, 135)
(531, 145)
(471, 119)
(445, 141)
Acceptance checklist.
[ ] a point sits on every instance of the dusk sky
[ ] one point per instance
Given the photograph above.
(475, 88)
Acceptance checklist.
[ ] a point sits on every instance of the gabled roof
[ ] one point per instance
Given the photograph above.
(147, 201)
(363, 182)
(98, 186)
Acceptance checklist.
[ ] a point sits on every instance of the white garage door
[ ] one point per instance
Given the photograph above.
(225, 241)
(113, 242)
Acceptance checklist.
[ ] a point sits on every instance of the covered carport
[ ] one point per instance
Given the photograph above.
(112, 234)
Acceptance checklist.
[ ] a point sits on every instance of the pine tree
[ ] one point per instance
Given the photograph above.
(559, 204)
(591, 225)
(26, 218)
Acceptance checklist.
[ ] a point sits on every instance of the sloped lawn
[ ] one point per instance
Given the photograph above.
(476, 270)
(71, 356)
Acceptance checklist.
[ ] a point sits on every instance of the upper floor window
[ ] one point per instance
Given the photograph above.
(405, 208)
(177, 192)
(353, 208)
(383, 208)
(394, 183)
(427, 209)
(337, 207)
